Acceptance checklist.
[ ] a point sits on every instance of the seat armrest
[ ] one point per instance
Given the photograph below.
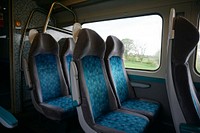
(26, 73)
(7, 119)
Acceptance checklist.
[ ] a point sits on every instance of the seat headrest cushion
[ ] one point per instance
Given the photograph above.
(76, 29)
(89, 43)
(44, 44)
(32, 34)
(68, 47)
(185, 39)
(114, 47)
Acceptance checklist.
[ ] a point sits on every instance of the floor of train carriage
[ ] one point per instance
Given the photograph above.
(32, 122)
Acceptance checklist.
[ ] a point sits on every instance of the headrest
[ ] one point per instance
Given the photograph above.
(75, 30)
(185, 39)
(68, 47)
(114, 47)
(89, 43)
(43, 44)
(32, 34)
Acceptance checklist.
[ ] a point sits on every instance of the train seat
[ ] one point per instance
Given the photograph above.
(121, 84)
(66, 53)
(183, 96)
(96, 104)
(50, 94)
(7, 119)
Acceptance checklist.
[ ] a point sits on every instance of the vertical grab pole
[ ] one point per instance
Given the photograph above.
(48, 17)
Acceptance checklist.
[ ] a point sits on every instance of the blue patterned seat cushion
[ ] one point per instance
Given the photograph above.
(141, 105)
(68, 60)
(48, 76)
(119, 78)
(96, 85)
(50, 82)
(66, 103)
(123, 122)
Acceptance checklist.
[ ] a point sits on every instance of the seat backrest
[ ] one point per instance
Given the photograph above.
(25, 55)
(66, 53)
(45, 70)
(184, 102)
(116, 70)
(97, 97)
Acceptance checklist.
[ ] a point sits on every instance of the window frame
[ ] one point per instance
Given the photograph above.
(196, 49)
(161, 39)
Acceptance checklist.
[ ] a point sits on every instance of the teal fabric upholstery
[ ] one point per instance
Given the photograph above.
(66, 103)
(141, 105)
(48, 76)
(123, 122)
(119, 78)
(95, 82)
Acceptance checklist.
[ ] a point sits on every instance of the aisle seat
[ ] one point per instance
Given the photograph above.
(50, 93)
(120, 83)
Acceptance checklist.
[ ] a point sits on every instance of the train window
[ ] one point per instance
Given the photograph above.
(197, 64)
(141, 37)
(59, 35)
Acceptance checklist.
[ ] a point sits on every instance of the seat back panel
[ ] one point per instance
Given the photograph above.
(119, 78)
(96, 85)
(48, 76)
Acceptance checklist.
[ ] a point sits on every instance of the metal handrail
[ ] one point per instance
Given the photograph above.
(45, 26)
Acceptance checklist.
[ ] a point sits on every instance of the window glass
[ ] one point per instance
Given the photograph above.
(59, 35)
(197, 66)
(141, 37)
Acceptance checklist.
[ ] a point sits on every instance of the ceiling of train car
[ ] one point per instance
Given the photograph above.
(69, 3)
(58, 10)
(93, 10)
